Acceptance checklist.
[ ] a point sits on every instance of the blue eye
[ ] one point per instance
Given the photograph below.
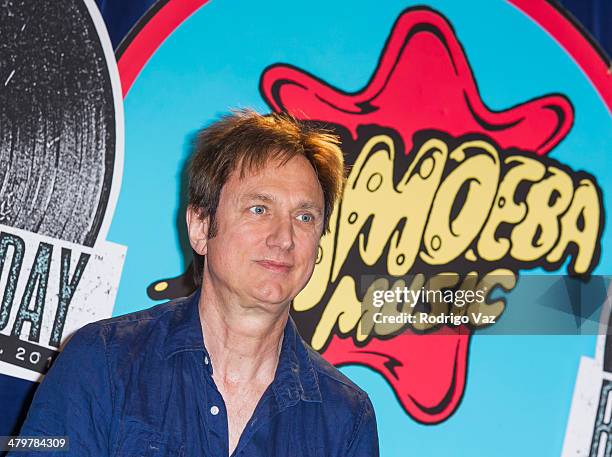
(306, 217)
(258, 209)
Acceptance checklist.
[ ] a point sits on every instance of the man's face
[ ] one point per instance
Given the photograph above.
(268, 228)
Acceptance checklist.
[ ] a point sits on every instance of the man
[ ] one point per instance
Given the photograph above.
(224, 371)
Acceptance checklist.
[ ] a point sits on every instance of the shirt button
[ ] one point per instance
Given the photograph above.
(214, 410)
(206, 360)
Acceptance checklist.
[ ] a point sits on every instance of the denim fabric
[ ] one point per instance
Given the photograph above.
(141, 385)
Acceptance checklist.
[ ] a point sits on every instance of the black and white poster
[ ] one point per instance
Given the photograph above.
(61, 160)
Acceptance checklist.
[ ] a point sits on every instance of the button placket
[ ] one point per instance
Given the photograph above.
(215, 417)
(217, 422)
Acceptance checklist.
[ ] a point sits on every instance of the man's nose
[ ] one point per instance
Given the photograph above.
(281, 233)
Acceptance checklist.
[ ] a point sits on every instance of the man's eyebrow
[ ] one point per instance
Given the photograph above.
(267, 198)
(256, 196)
(310, 205)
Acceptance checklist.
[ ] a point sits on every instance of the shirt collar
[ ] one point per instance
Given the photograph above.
(295, 376)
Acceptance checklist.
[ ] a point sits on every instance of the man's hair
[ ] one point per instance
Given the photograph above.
(248, 141)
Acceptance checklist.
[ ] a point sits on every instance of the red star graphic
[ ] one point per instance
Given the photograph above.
(423, 81)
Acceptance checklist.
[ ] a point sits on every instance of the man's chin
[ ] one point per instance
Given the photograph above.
(272, 299)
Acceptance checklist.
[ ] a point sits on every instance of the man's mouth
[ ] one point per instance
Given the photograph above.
(272, 265)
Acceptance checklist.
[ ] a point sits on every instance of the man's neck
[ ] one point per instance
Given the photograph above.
(243, 344)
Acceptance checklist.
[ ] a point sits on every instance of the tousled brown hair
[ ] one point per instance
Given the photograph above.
(247, 141)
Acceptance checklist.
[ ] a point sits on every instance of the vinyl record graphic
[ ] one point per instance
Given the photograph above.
(57, 121)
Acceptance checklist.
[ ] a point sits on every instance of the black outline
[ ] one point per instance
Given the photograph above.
(567, 15)
(138, 26)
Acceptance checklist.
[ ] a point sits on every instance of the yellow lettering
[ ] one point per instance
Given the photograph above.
(446, 239)
(580, 225)
(538, 232)
(506, 210)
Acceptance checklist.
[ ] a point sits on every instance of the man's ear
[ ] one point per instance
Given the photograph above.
(197, 228)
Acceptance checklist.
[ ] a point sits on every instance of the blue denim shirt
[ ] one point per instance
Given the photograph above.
(141, 385)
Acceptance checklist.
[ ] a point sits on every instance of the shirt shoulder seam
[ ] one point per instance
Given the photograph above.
(127, 319)
(347, 382)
